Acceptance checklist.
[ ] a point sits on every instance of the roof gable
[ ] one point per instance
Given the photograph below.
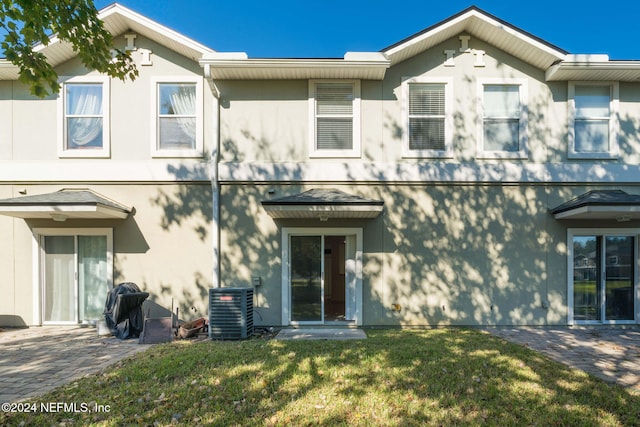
(478, 23)
(118, 20)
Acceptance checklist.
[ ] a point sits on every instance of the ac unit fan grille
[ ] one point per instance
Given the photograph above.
(230, 313)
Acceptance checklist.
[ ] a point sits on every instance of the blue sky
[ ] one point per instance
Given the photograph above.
(329, 28)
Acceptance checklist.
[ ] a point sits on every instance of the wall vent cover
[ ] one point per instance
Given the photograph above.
(230, 313)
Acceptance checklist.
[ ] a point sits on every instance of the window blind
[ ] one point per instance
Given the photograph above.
(334, 116)
(426, 116)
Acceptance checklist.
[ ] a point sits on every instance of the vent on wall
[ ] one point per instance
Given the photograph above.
(230, 313)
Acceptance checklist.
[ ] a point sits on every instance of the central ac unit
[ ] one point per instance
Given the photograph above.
(230, 313)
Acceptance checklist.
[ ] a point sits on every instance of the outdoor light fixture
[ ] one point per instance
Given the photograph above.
(58, 217)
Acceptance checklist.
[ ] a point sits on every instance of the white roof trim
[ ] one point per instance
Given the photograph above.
(323, 211)
(140, 24)
(462, 23)
(63, 212)
(593, 67)
(116, 8)
(237, 65)
(620, 213)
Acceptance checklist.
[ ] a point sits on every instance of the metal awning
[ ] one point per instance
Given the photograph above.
(600, 204)
(64, 204)
(323, 204)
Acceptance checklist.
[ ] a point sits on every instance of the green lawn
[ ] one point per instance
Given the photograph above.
(395, 378)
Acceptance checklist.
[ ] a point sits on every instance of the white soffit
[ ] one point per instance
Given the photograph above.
(237, 66)
(480, 24)
(600, 204)
(594, 67)
(64, 204)
(619, 213)
(323, 204)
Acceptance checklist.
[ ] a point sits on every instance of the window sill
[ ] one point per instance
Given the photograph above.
(84, 154)
(592, 156)
(335, 155)
(432, 154)
(503, 155)
(182, 154)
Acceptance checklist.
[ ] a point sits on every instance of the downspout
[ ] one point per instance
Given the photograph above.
(215, 184)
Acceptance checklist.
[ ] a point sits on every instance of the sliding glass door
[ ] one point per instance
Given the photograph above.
(307, 291)
(322, 280)
(59, 300)
(603, 278)
(76, 273)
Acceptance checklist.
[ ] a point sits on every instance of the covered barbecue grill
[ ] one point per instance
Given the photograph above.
(123, 310)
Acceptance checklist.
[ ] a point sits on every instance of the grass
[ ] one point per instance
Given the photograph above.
(435, 377)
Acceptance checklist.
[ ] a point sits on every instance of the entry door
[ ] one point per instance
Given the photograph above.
(318, 279)
(307, 279)
(321, 275)
(75, 278)
(604, 278)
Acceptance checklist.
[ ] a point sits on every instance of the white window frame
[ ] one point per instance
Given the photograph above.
(38, 256)
(614, 102)
(354, 292)
(605, 232)
(103, 152)
(198, 150)
(354, 152)
(522, 153)
(407, 152)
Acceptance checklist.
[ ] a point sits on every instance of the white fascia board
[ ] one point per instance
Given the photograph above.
(152, 25)
(134, 17)
(564, 67)
(597, 211)
(475, 14)
(8, 71)
(363, 62)
(323, 208)
(520, 35)
(71, 211)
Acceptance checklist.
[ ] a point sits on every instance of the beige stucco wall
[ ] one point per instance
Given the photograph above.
(439, 254)
(269, 120)
(164, 247)
(462, 240)
(35, 122)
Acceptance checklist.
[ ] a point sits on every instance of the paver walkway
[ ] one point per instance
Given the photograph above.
(36, 360)
(612, 354)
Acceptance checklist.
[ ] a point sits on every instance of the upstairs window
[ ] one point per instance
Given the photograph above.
(503, 128)
(84, 108)
(428, 129)
(335, 108)
(593, 120)
(177, 121)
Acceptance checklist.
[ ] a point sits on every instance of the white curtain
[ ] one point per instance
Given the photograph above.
(84, 111)
(183, 101)
(59, 282)
(92, 278)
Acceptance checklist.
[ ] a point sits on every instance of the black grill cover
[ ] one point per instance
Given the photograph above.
(123, 310)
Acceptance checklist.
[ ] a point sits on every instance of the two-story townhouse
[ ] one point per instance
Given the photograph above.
(461, 176)
(449, 179)
(108, 181)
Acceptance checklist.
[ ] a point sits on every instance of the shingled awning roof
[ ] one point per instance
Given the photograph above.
(64, 204)
(600, 204)
(323, 204)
